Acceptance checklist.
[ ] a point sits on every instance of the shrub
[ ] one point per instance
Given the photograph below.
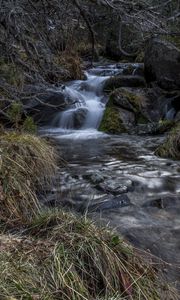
(27, 162)
(29, 125)
(15, 113)
(72, 63)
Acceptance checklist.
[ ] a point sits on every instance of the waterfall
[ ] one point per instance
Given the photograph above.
(88, 104)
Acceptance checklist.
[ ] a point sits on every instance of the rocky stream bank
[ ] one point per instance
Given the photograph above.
(113, 174)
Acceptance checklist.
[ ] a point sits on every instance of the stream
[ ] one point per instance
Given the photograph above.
(116, 179)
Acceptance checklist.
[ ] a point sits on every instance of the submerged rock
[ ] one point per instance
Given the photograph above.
(94, 177)
(163, 202)
(162, 63)
(110, 203)
(116, 186)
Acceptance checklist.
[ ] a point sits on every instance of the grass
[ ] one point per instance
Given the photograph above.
(52, 254)
(63, 256)
(171, 147)
(26, 164)
(71, 62)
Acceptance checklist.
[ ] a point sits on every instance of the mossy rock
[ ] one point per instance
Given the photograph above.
(171, 147)
(131, 101)
(165, 126)
(111, 122)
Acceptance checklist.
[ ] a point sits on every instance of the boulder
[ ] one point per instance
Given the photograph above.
(142, 102)
(124, 81)
(44, 104)
(162, 64)
(79, 117)
(111, 121)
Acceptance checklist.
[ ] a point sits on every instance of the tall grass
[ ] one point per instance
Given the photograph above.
(57, 255)
(171, 147)
(62, 256)
(27, 163)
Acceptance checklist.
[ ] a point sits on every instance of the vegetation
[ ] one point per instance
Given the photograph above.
(171, 147)
(59, 255)
(62, 256)
(111, 121)
(27, 163)
(52, 254)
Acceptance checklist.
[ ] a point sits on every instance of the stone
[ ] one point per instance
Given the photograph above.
(44, 103)
(115, 82)
(147, 104)
(115, 186)
(110, 202)
(162, 64)
(127, 117)
(79, 117)
(95, 177)
(111, 121)
(163, 202)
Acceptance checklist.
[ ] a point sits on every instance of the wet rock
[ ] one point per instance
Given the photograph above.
(111, 121)
(126, 117)
(143, 102)
(150, 128)
(121, 97)
(162, 63)
(94, 177)
(110, 203)
(124, 81)
(115, 186)
(44, 103)
(163, 202)
(79, 117)
(133, 69)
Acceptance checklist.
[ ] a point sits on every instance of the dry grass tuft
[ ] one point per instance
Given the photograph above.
(91, 262)
(26, 163)
(62, 256)
(72, 63)
(171, 147)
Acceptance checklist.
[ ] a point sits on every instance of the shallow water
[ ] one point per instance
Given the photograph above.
(118, 180)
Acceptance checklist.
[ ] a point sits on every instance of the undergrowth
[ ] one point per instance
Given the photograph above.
(171, 147)
(56, 255)
(26, 164)
(64, 257)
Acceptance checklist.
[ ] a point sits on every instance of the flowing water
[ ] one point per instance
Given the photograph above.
(116, 179)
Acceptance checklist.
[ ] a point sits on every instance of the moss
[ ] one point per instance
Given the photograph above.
(165, 125)
(134, 103)
(111, 122)
(171, 147)
(134, 99)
